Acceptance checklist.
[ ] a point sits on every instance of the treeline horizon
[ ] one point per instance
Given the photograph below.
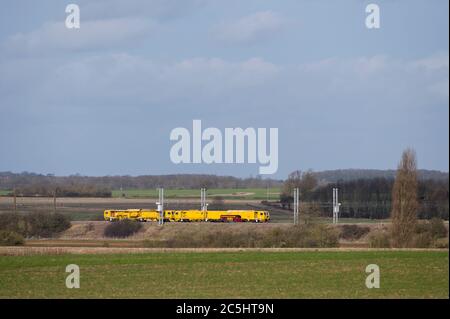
(31, 184)
(10, 180)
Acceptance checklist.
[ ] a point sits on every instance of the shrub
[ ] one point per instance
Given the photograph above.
(34, 224)
(316, 235)
(294, 236)
(353, 232)
(441, 243)
(422, 240)
(47, 224)
(13, 222)
(10, 238)
(379, 239)
(122, 228)
(428, 233)
(437, 228)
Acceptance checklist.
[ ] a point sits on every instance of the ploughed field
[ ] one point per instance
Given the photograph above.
(247, 274)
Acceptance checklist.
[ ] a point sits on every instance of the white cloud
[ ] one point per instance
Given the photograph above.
(54, 37)
(155, 9)
(138, 80)
(435, 69)
(380, 76)
(439, 61)
(251, 28)
(377, 82)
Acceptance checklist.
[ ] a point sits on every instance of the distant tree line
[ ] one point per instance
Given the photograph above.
(71, 190)
(366, 197)
(333, 176)
(30, 184)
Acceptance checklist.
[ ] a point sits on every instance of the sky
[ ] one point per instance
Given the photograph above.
(103, 99)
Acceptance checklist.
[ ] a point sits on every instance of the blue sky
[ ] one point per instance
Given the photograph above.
(103, 99)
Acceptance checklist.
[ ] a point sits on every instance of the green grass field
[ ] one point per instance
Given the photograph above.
(404, 274)
(227, 193)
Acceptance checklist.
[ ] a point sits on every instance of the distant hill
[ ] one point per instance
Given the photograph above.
(332, 176)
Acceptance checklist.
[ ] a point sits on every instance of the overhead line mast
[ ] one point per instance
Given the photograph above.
(296, 205)
(160, 205)
(336, 205)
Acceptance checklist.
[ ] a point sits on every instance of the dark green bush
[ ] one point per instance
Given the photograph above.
(34, 224)
(46, 224)
(122, 228)
(10, 238)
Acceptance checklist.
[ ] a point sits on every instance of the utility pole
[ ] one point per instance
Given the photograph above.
(336, 205)
(296, 202)
(15, 200)
(203, 204)
(160, 205)
(54, 201)
(202, 200)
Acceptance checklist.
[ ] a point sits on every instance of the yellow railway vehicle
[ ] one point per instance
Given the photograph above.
(238, 216)
(112, 215)
(149, 216)
(189, 215)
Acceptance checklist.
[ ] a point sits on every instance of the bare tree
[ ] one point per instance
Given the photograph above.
(306, 182)
(404, 200)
